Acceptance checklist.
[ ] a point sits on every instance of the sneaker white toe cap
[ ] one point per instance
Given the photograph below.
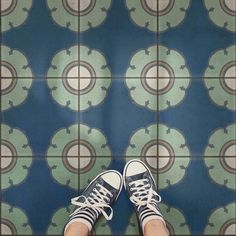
(135, 168)
(112, 178)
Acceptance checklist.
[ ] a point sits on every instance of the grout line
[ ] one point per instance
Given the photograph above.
(116, 157)
(123, 77)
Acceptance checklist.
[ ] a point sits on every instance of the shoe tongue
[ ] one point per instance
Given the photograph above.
(139, 176)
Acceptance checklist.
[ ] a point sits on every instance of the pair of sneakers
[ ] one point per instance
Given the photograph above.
(104, 190)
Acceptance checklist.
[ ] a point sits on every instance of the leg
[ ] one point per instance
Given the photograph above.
(155, 228)
(142, 191)
(96, 198)
(77, 229)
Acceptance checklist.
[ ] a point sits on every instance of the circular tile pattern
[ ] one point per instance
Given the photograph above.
(173, 156)
(143, 13)
(222, 221)
(71, 6)
(160, 155)
(228, 228)
(14, 221)
(92, 142)
(165, 6)
(14, 147)
(60, 218)
(14, 87)
(220, 156)
(7, 7)
(76, 78)
(69, 9)
(171, 13)
(93, 13)
(220, 78)
(8, 156)
(14, 13)
(64, 144)
(143, 67)
(93, 65)
(86, 7)
(7, 227)
(65, 67)
(222, 13)
(171, 88)
(78, 157)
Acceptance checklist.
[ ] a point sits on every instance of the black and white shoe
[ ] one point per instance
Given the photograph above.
(141, 188)
(97, 199)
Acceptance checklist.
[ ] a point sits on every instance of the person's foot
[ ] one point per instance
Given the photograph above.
(96, 199)
(141, 188)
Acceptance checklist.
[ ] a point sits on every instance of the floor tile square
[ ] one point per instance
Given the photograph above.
(38, 116)
(44, 29)
(107, 112)
(194, 114)
(34, 187)
(213, 216)
(190, 33)
(107, 44)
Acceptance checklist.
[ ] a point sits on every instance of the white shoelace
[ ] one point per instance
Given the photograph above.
(142, 195)
(97, 200)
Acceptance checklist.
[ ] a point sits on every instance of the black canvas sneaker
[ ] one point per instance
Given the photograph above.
(97, 199)
(141, 188)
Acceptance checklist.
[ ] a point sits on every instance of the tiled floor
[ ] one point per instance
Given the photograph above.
(88, 85)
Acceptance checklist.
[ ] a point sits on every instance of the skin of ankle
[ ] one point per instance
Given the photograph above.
(155, 228)
(77, 228)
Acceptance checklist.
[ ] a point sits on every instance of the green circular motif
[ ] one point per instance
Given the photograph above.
(171, 13)
(62, 78)
(222, 13)
(95, 78)
(93, 13)
(88, 78)
(175, 220)
(143, 142)
(78, 156)
(64, 144)
(16, 156)
(222, 221)
(14, 13)
(160, 78)
(141, 78)
(162, 155)
(171, 68)
(14, 87)
(16, 142)
(14, 221)
(220, 78)
(220, 156)
(65, 13)
(60, 219)
(143, 13)
(173, 156)
(100, 158)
